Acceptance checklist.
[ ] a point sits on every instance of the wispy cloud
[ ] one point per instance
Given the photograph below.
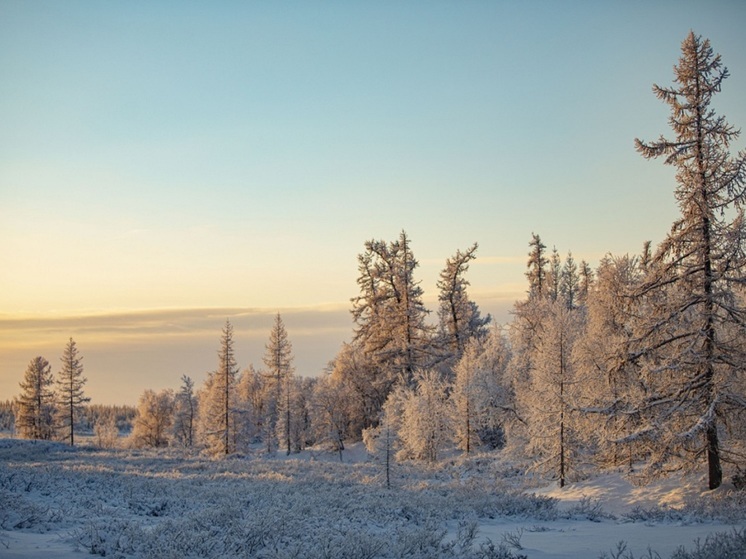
(129, 351)
(165, 323)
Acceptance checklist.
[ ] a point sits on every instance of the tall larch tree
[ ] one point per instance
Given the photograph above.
(460, 319)
(691, 346)
(528, 314)
(217, 410)
(537, 267)
(70, 382)
(36, 407)
(278, 358)
(548, 400)
(389, 313)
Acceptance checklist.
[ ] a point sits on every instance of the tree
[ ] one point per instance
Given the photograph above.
(382, 441)
(389, 313)
(366, 389)
(569, 285)
(253, 399)
(424, 428)
(331, 412)
(536, 265)
(35, 407)
(218, 401)
(70, 381)
(611, 382)
(554, 275)
(691, 345)
(154, 419)
(548, 399)
(185, 413)
(460, 319)
(481, 397)
(278, 358)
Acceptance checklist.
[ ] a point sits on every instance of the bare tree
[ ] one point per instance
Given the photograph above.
(70, 381)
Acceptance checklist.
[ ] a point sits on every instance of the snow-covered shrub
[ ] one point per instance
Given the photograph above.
(720, 545)
(588, 509)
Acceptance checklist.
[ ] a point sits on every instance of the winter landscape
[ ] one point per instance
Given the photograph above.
(600, 414)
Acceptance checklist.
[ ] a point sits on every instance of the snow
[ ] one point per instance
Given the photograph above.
(57, 502)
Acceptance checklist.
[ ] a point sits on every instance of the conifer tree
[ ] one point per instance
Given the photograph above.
(548, 399)
(389, 313)
(218, 401)
(691, 346)
(278, 359)
(70, 382)
(185, 413)
(569, 285)
(536, 265)
(611, 383)
(424, 425)
(460, 319)
(481, 397)
(35, 407)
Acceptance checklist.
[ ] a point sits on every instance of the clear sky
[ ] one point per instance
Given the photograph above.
(167, 165)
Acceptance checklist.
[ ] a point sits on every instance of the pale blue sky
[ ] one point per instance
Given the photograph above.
(235, 154)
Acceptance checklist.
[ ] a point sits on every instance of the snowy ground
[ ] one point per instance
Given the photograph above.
(57, 502)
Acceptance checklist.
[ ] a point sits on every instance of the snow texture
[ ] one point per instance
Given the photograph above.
(57, 501)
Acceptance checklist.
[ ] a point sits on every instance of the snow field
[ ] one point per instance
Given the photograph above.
(166, 504)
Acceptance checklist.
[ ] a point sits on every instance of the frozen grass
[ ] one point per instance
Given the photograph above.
(162, 504)
(167, 504)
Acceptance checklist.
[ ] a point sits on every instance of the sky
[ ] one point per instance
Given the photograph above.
(165, 166)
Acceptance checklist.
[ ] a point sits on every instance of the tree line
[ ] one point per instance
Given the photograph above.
(637, 364)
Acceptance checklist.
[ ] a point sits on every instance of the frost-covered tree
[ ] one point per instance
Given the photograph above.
(278, 358)
(35, 408)
(528, 314)
(382, 441)
(691, 344)
(459, 316)
(586, 281)
(389, 314)
(332, 412)
(424, 428)
(611, 382)
(253, 399)
(217, 411)
(105, 430)
(154, 420)
(537, 267)
(554, 275)
(292, 419)
(547, 400)
(70, 382)
(362, 385)
(481, 396)
(185, 413)
(569, 284)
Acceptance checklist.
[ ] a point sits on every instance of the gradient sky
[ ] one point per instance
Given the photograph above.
(167, 165)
